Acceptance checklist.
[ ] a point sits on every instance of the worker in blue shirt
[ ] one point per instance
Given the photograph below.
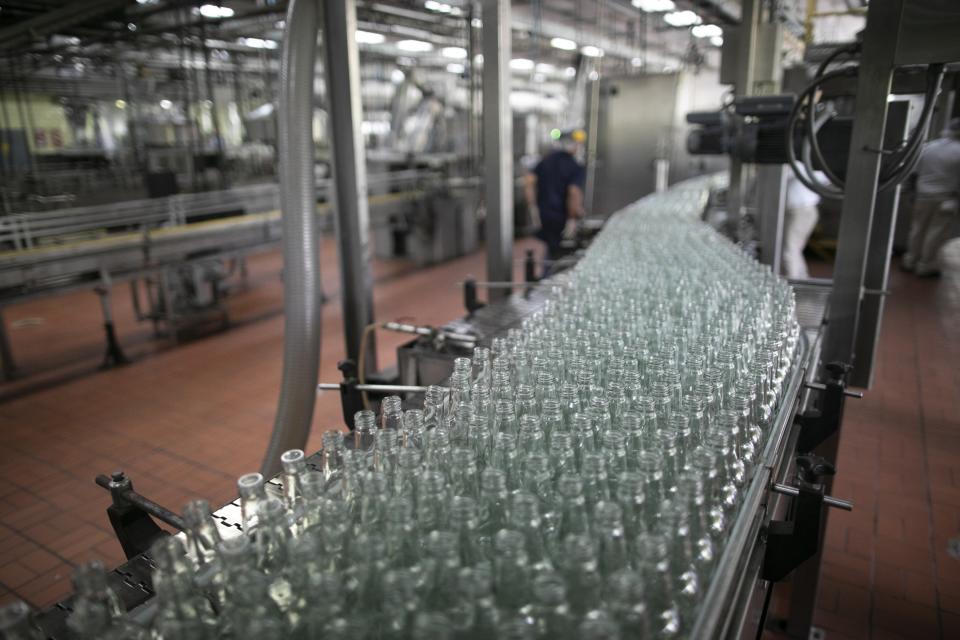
(554, 192)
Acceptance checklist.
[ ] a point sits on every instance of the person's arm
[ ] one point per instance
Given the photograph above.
(530, 189)
(575, 202)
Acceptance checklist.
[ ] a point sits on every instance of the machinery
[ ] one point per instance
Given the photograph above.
(779, 522)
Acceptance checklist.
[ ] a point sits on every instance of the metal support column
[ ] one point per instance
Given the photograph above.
(771, 201)
(7, 363)
(863, 169)
(746, 64)
(497, 142)
(351, 212)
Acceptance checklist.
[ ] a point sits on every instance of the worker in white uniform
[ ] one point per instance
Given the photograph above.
(938, 194)
(800, 217)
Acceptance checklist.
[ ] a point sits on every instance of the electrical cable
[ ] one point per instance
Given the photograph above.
(906, 156)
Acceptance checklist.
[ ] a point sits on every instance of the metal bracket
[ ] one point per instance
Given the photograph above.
(790, 542)
(816, 425)
(470, 300)
(131, 515)
(351, 399)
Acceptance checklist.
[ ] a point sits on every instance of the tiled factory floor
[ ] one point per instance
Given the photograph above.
(185, 421)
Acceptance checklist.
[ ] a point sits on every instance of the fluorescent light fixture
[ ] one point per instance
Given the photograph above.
(543, 67)
(682, 19)
(215, 11)
(165, 104)
(455, 67)
(563, 43)
(707, 31)
(414, 46)
(456, 53)
(521, 64)
(654, 6)
(439, 7)
(636, 62)
(120, 104)
(258, 43)
(591, 51)
(716, 41)
(369, 37)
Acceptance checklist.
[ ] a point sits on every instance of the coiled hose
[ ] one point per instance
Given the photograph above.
(301, 265)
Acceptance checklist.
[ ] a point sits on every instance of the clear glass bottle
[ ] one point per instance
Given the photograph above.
(253, 492)
(201, 530)
(511, 569)
(96, 606)
(16, 622)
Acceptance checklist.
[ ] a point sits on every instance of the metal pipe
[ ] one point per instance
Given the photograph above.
(830, 501)
(301, 268)
(383, 388)
(497, 140)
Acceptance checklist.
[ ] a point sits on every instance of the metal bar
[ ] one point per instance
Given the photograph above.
(830, 501)
(877, 264)
(746, 61)
(383, 388)
(497, 140)
(156, 510)
(771, 201)
(352, 214)
(863, 168)
(822, 387)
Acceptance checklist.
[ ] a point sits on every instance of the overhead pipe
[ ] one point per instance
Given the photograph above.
(301, 264)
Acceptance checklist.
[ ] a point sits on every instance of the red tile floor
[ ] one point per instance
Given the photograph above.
(186, 420)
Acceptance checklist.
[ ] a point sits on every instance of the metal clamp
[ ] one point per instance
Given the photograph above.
(818, 424)
(819, 386)
(130, 515)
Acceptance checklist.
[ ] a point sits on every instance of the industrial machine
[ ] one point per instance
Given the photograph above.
(779, 515)
(764, 543)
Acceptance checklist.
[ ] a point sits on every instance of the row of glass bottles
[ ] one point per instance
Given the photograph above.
(576, 479)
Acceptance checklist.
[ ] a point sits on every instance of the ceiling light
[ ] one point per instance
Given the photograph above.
(476, 23)
(120, 104)
(215, 11)
(682, 19)
(414, 46)
(654, 6)
(457, 53)
(521, 64)
(563, 43)
(570, 72)
(636, 62)
(716, 41)
(165, 104)
(397, 76)
(368, 37)
(707, 31)
(543, 67)
(258, 43)
(591, 51)
(455, 67)
(439, 7)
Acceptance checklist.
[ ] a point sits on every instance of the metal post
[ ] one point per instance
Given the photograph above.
(877, 268)
(863, 168)
(498, 142)
(7, 363)
(351, 213)
(746, 61)
(771, 200)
